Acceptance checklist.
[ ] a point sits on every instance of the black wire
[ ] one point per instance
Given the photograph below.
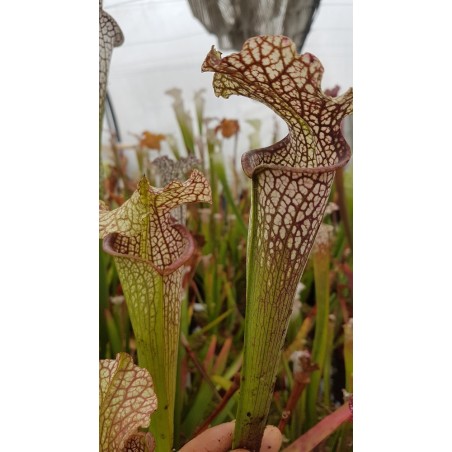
(111, 117)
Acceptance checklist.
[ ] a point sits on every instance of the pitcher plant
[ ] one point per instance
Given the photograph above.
(291, 184)
(150, 249)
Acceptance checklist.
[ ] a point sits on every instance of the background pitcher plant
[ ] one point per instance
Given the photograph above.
(149, 251)
(291, 183)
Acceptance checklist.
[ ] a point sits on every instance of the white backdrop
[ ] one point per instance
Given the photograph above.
(165, 46)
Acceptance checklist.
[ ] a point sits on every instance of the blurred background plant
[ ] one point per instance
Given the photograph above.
(316, 373)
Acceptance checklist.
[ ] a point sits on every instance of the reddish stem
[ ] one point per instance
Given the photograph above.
(301, 380)
(199, 366)
(322, 430)
(219, 408)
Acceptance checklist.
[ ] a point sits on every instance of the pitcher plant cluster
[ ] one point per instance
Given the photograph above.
(232, 290)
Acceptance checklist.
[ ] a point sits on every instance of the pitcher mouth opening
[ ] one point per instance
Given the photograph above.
(250, 168)
(108, 246)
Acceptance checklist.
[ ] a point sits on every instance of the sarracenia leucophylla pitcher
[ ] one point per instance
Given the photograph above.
(291, 183)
